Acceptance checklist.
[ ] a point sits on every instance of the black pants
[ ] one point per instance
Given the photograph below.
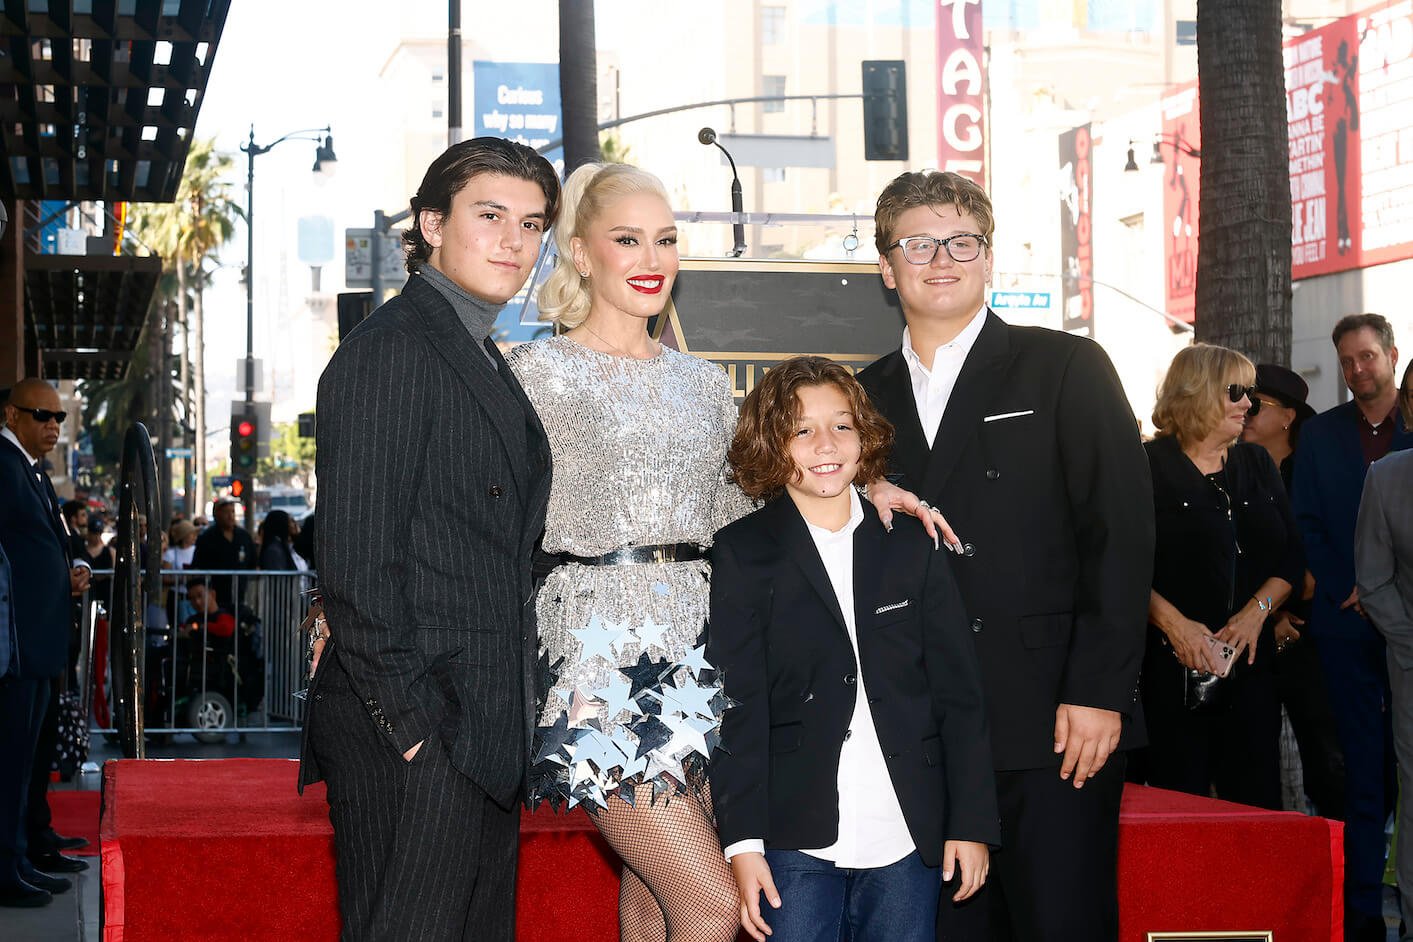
(421, 852)
(38, 817)
(1300, 681)
(22, 704)
(1055, 878)
(1232, 746)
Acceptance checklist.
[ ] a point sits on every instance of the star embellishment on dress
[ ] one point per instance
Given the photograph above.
(598, 639)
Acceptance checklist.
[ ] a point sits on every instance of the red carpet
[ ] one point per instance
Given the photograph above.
(76, 815)
(225, 849)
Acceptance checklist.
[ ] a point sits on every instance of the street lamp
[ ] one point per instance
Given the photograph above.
(324, 162)
(1174, 141)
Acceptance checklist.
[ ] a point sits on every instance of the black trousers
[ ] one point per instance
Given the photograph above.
(38, 817)
(1300, 681)
(22, 705)
(420, 851)
(1232, 746)
(1055, 879)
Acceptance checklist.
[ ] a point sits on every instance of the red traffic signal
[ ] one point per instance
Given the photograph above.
(245, 429)
(237, 488)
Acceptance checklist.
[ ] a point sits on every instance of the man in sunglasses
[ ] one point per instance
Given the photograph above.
(1024, 439)
(42, 585)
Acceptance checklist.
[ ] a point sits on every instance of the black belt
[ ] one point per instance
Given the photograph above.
(656, 553)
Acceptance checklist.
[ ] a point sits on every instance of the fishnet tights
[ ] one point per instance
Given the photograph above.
(677, 887)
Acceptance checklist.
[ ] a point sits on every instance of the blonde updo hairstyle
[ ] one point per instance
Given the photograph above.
(1192, 398)
(564, 297)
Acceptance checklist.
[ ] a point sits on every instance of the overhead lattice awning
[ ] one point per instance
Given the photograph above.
(86, 311)
(99, 98)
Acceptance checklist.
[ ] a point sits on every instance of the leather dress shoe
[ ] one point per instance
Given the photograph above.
(69, 843)
(45, 881)
(22, 894)
(55, 862)
(52, 840)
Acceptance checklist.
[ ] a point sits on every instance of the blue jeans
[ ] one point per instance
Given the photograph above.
(820, 902)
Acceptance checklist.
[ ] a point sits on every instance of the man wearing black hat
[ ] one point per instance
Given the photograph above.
(1300, 681)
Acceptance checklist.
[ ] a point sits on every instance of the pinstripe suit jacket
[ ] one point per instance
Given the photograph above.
(434, 474)
(1383, 552)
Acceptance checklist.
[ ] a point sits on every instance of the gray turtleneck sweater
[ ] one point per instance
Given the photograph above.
(477, 316)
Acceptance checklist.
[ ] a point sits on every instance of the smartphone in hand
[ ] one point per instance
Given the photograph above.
(1222, 655)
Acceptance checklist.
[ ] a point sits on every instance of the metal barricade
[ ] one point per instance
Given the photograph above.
(223, 653)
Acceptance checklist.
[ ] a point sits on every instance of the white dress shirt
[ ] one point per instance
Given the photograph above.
(872, 830)
(9, 433)
(932, 388)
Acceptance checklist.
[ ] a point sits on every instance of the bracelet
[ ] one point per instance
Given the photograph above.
(1264, 604)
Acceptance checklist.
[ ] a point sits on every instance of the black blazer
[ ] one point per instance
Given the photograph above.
(778, 636)
(434, 473)
(1039, 468)
(38, 548)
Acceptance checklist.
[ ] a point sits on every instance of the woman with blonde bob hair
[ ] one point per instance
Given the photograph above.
(638, 433)
(1227, 555)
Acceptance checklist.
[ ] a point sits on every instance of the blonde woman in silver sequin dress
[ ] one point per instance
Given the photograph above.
(638, 434)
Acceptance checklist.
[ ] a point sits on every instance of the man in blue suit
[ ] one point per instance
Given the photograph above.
(1336, 449)
(42, 583)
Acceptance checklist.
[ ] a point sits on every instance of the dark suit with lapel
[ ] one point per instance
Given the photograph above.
(1038, 466)
(36, 545)
(1328, 481)
(779, 637)
(434, 476)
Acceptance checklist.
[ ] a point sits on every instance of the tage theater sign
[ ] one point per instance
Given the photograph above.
(749, 315)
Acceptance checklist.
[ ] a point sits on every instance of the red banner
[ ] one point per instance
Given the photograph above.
(1349, 106)
(1322, 108)
(961, 116)
(1385, 133)
(1182, 134)
(1077, 231)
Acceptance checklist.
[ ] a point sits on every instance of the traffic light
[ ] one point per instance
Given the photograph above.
(245, 447)
(885, 109)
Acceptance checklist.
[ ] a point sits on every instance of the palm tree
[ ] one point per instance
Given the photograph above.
(186, 233)
(578, 83)
(1243, 257)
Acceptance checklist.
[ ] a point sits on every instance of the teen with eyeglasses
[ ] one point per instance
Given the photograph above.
(1024, 437)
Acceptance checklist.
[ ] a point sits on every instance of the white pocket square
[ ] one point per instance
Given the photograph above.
(888, 608)
(1007, 415)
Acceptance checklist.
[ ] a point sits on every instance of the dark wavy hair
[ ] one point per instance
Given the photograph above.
(760, 451)
(449, 174)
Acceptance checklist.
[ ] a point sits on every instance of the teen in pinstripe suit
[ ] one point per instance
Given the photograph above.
(434, 475)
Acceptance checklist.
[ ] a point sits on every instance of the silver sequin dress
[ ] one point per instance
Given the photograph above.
(639, 451)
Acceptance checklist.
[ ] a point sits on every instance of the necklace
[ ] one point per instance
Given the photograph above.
(617, 349)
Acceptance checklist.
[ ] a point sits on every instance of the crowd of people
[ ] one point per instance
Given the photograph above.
(735, 636)
(53, 556)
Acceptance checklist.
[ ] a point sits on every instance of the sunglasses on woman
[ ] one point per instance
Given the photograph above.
(1235, 391)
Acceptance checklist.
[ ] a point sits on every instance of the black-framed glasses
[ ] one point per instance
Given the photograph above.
(1235, 391)
(42, 416)
(921, 250)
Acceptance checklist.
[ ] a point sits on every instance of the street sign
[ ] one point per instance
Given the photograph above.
(1011, 300)
(178, 453)
(221, 480)
(358, 258)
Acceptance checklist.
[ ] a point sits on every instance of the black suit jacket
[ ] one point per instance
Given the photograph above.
(778, 636)
(1039, 468)
(434, 473)
(38, 548)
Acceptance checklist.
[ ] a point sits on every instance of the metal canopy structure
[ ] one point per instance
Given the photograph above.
(98, 98)
(87, 311)
(98, 102)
